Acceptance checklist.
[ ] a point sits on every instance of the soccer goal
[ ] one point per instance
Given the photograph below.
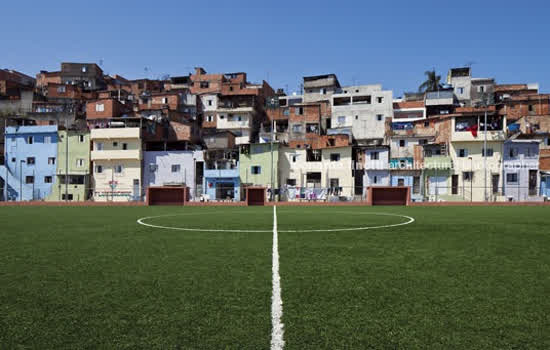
(167, 195)
(255, 195)
(382, 195)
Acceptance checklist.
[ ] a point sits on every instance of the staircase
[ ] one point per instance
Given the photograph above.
(12, 181)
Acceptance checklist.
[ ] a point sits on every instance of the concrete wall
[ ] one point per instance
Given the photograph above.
(362, 117)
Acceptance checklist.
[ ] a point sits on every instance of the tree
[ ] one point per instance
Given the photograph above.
(432, 83)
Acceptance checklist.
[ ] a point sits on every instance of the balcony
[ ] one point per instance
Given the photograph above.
(115, 133)
(221, 170)
(134, 154)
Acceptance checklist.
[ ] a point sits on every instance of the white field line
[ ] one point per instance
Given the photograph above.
(277, 342)
(141, 221)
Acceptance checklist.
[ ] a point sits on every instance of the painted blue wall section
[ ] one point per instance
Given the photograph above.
(18, 148)
(215, 178)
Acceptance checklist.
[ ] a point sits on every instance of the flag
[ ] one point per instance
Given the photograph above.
(473, 130)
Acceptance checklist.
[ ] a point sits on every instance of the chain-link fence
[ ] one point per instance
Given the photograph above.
(229, 192)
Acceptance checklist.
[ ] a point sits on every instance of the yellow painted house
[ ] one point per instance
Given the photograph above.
(116, 160)
(470, 181)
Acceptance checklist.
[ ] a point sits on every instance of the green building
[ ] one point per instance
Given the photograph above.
(255, 165)
(76, 144)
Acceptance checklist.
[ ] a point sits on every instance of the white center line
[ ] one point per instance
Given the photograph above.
(277, 342)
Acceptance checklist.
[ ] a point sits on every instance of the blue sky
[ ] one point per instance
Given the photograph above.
(388, 42)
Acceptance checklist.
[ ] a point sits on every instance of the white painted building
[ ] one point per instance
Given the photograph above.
(164, 168)
(328, 171)
(364, 109)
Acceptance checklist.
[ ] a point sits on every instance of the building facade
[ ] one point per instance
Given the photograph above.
(72, 180)
(30, 162)
(116, 161)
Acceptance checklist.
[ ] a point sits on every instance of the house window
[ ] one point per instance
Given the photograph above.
(47, 179)
(124, 146)
(463, 153)
(334, 183)
(153, 167)
(30, 140)
(84, 69)
(30, 160)
(209, 118)
(481, 89)
(401, 182)
(99, 146)
(299, 111)
(61, 89)
(467, 175)
(422, 141)
(80, 162)
(531, 108)
(531, 152)
(460, 90)
(286, 112)
(426, 124)
(13, 159)
(375, 179)
(341, 120)
(380, 99)
(335, 157)
(115, 144)
(99, 107)
(47, 139)
(323, 91)
(356, 117)
(176, 168)
(210, 102)
(297, 128)
(29, 179)
(313, 155)
(99, 169)
(51, 160)
(513, 152)
(255, 169)
(402, 143)
(374, 155)
(379, 117)
(512, 178)
(291, 182)
(165, 100)
(80, 138)
(489, 152)
(118, 169)
(294, 158)
(204, 85)
(416, 184)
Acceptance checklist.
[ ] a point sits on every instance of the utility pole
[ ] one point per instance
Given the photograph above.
(272, 136)
(67, 163)
(6, 192)
(485, 154)
(21, 179)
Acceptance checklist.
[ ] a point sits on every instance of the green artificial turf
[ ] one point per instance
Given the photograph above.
(456, 278)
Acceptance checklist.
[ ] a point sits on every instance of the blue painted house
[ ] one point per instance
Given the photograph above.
(221, 175)
(520, 165)
(30, 162)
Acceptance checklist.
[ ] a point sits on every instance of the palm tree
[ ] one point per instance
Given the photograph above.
(432, 83)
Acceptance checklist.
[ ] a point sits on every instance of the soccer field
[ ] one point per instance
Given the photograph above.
(202, 277)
